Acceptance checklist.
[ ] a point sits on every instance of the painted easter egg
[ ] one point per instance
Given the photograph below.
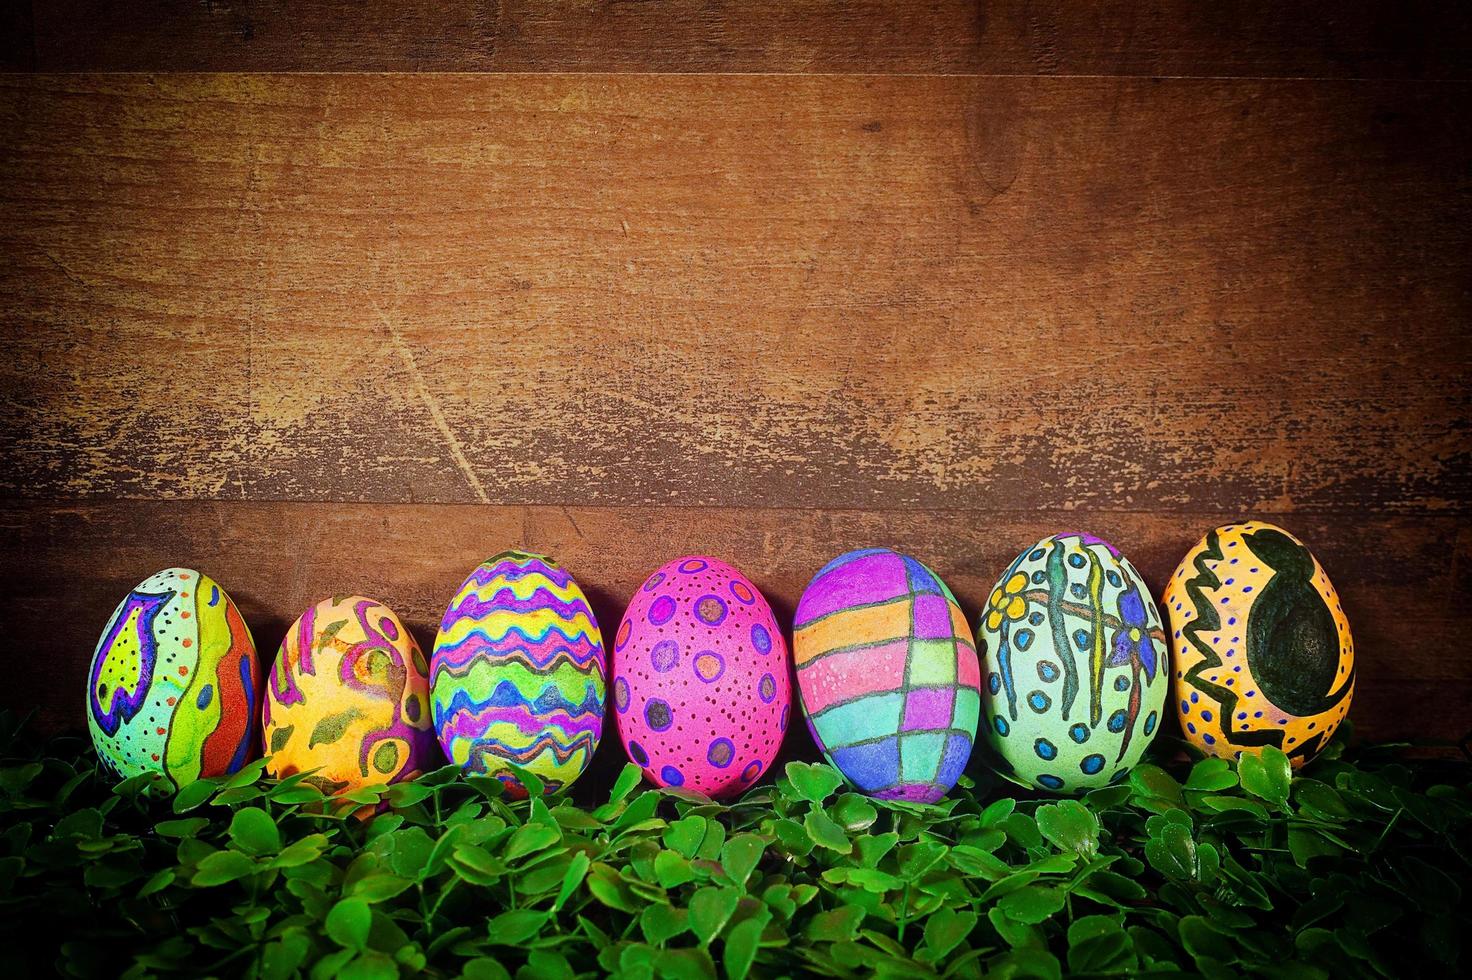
(887, 674)
(517, 673)
(349, 695)
(1263, 654)
(1077, 666)
(700, 682)
(175, 683)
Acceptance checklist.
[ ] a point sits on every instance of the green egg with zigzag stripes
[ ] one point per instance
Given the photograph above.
(1076, 666)
(517, 675)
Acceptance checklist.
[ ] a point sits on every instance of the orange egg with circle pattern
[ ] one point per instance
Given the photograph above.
(348, 696)
(1262, 649)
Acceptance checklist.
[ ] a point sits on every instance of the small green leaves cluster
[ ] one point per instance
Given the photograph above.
(1202, 867)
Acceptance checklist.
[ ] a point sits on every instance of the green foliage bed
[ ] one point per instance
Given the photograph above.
(1356, 868)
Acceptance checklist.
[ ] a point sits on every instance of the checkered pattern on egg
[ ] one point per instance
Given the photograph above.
(888, 674)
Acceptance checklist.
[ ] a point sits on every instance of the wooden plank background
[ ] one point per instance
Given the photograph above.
(624, 281)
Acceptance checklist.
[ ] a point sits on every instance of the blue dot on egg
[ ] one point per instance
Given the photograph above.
(994, 682)
(1050, 781)
(1000, 724)
(1022, 639)
(1117, 722)
(1047, 671)
(1121, 683)
(1150, 723)
(1045, 749)
(1079, 733)
(672, 776)
(1039, 702)
(1035, 618)
(1092, 764)
(1078, 590)
(1038, 577)
(1076, 560)
(1113, 578)
(1081, 637)
(1036, 555)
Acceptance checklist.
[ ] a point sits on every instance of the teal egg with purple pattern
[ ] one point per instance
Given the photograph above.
(1076, 665)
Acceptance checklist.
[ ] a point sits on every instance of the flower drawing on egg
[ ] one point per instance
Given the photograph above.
(1076, 654)
(1007, 602)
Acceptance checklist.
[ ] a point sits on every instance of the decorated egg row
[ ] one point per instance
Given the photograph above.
(1065, 683)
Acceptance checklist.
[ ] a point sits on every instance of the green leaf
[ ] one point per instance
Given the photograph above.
(484, 968)
(193, 795)
(740, 952)
(221, 868)
(685, 835)
(1069, 826)
(825, 833)
(1267, 776)
(1205, 942)
(661, 923)
(814, 783)
(710, 910)
(348, 923)
(1173, 852)
(379, 888)
(530, 839)
(853, 813)
(1155, 788)
(835, 925)
(253, 831)
(1032, 904)
(160, 880)
(515, 927)
(608, 887)
(740, 856)
(577, 869)
(1212, 776)
(946, 929)
(188, 827)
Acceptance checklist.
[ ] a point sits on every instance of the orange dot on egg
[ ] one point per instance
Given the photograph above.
(187, 643)
(155, 757)
(171, 700)
(183, 671)
(184, 575)
(183, 595)
(159, 730)
(183, 615)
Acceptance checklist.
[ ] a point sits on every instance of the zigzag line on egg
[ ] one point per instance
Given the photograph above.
(1208, 621)
(520, 756)
(512, 566)
(532, 647)
(460, 632)
(518, 656)
(506, 695)
(573, 685)
(466, 653)
(510, 599)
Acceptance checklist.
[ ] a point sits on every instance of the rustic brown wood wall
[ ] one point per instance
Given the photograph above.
(770, 280)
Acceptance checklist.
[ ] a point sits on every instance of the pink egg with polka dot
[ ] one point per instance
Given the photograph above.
(700, 678)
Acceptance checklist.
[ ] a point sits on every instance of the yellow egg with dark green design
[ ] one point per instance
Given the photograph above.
(1263, 652)
(348, 695)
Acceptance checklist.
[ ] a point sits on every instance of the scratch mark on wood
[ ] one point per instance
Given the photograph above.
(416, 378)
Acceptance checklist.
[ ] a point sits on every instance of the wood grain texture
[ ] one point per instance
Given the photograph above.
(1245, 38)
(1394, 575)
(997, 294)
